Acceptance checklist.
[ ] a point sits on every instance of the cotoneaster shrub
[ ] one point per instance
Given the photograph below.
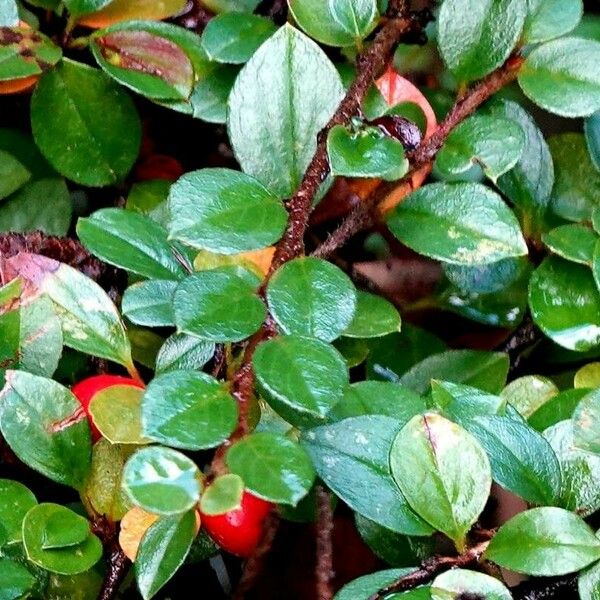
(214, 214)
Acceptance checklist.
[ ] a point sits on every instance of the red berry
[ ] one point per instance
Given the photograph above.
(239, 531)
(159, 166)
(86, 389)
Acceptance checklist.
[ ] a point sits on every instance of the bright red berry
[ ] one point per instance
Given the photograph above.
(86, 389)
(239, 531)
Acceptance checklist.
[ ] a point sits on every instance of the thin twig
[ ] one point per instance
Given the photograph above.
(117, 563)
(324, 565)
(364, 215)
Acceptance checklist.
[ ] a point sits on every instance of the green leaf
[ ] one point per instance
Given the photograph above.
(150, 198)
(591, 128)
(544, 541)
(150, 303)
(81, 7)
(378, 398)
(162, 551)
(548, 19)
(23, 148)
(15, 502)
(234, 38)
(443, 472)
(461, 403)
(181, 351)
(220, 305)
(464, 224)
(577, 186)
(188, 410)
(127, 10)
(84, 148)
(565, 305)
(46, 427)
(302, 378)
(527, 394)
(133, 242)
(586, 423)
(572, 242)
(162, 481)
(374, 317)
(588, 584)
(477, 36)
(352, 458)
(209, 100)
(486, 279)
(561, 76)
(64, 528)
(580, 470)
(9, 13)
(558, 408)
(484, 370)
(83, 586)
(89, 319)
(236, 6)
(458, 583)
(588, 376)
(310, 296)
(69, 560)
(522, 461)
(224, 211)
(368, 153)
(272, 467)
(12, 174)
(116, 412)
(222, 495)
(145, 345)
(274, 141)
(494, 143)
(17, 581)
(364, 587)
(341, 23)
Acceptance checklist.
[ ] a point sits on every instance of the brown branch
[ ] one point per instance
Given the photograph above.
(430, 568)
(324, 565)
(364, 215)
(117, 563)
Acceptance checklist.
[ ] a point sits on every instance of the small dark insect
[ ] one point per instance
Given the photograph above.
(405, 131)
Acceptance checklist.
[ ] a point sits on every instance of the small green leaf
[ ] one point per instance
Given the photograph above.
(588, 376)
(15, 502)
(528, 393)
(162, 551)
(149, 198)
(443, 472)
(274, 141)
(558, 408)
(544, 541)
(188, 410)
(209, 100)
(133, 242)
(224, 211)
(219, 305)
(46, 427)
(458, 583)
(464, 224)
(591, 128)
(461, 403)
(150, 303)
(17, 581)
(588, 583)
(234, 38)
(561, 76)
(572, 242)
(352, 458)
(586, 423)
(68, 560)
(302, 378)
(181, 351)
(64, 528)
(548, 19)
(364, 587)
(477, 36)
(162, 481)
(367, 153)
(222, 495)
(272, 467)
(493, 143)
(565, 304)
(84, 148)
(81, 7)
(374, 317)
(310, 296)
(12, 174)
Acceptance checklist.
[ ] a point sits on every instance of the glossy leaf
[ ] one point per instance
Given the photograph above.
(132, 242)
(486, 279)
(219, 305)
(352, 458)
(374, 317)
(564, 303)
(46, 427)
(224, 211)
(234, 38)
(25, 52)
(544, 541)
(310, 296)
(162, 481)
(15, 502)
(64, 528)
(573, 242)
(558, 408)
(181, 351)
(443, 472)
(588, 583)
(475, 37)
(588, 376)
(189, 410)
(17, 581)
(81, 7)
(528, 393)
(463, 224)
(209, 100)
(591, 128)
(561, 76)
(272, 467)
(9, 15)
(302, 378)
(150, 303)
(456, 583)
(367, 153)
(12, 174)
(274, 141)
(462, 403)
(367, 585)
(162, 551)
(222, 495)
(548, 19)
(493, 143)
(586, 423)
(125, 10)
